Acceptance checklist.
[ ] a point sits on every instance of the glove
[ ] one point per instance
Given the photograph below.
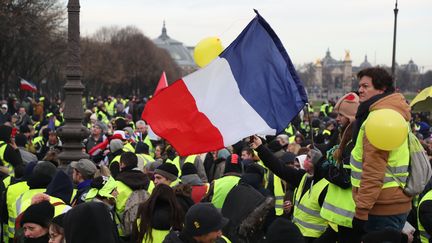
(358, 225)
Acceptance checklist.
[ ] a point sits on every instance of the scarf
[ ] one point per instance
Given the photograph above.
(363, 112)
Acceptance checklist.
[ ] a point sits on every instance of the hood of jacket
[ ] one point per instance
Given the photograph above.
(135, 179)
(395, 101)
(61, 187)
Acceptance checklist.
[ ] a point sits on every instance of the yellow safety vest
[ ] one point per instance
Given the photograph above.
(176, 161)
(145, 158)
(115, 160)
(157, 235)
(338, 206)
(123, 194)
(307, 209)
(290, 132)
(279, 195)
(12, 194)
(7, 181)
(110, 107)
(424, 236)
(104, 117)
(397, 163)
(151, 148)
(5, 163)
(128, 148)
(24, 200)
(151, 187)
(60, 207)
(221, 188)
(323, 109)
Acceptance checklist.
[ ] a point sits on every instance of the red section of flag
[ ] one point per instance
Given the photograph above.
(163, 83)
(185, 127)
(26, 85)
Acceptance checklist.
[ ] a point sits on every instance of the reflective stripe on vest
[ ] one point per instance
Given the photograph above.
(397, 163)
(279, 195)
(12, 194)
(222, 187)
(307, 209)
(338, 206)
(176, 161)
(223, 237)
(424, 236)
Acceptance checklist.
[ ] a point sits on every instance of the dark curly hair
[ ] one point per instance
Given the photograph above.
(381, 79)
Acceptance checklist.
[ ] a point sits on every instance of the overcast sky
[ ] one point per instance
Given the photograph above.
(307, 28)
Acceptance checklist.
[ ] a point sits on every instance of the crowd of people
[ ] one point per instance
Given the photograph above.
(320, 180)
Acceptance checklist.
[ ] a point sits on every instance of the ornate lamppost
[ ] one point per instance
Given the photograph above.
(73, 132)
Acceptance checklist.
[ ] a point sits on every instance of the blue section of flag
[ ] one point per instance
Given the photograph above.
(265, 74)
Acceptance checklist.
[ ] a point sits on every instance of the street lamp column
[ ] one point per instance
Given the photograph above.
(73, 131)
(396, 10)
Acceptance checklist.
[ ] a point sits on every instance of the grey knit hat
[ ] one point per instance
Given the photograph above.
(115, 145)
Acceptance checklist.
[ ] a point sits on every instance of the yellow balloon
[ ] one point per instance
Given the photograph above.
(206, 50)
(386, 129)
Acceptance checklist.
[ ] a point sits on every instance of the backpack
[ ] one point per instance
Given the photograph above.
(419, 169)
(128, 219)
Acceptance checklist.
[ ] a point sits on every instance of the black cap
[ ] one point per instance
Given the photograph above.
(203, 218)
(168, 171)
(283, 230)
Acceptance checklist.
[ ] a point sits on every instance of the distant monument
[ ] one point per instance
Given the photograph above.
(181, 54)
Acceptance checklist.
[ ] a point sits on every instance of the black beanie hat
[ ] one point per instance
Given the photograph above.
(24, 129)
(283, 230)
(20, 140)
(40, 214)
(42, 175)
(141, 147)
(168, 171)
(58, 220)
(5, 133)
(189, 169)
(232, 164)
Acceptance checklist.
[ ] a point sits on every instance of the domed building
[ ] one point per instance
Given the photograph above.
(332, 75)
(181, 54)
(365, 64)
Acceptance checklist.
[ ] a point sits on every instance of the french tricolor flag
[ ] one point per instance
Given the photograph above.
(251, 88)
(26, 85)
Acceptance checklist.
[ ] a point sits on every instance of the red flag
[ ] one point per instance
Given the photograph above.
(163, 83)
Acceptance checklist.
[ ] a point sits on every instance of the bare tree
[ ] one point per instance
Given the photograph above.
(32, 41)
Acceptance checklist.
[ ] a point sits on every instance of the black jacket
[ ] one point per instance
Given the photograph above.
(290, 175)
(425, 216)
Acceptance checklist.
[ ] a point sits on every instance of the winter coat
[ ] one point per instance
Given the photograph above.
(370, 197)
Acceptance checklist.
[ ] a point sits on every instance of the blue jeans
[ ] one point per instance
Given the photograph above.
(378, 223)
